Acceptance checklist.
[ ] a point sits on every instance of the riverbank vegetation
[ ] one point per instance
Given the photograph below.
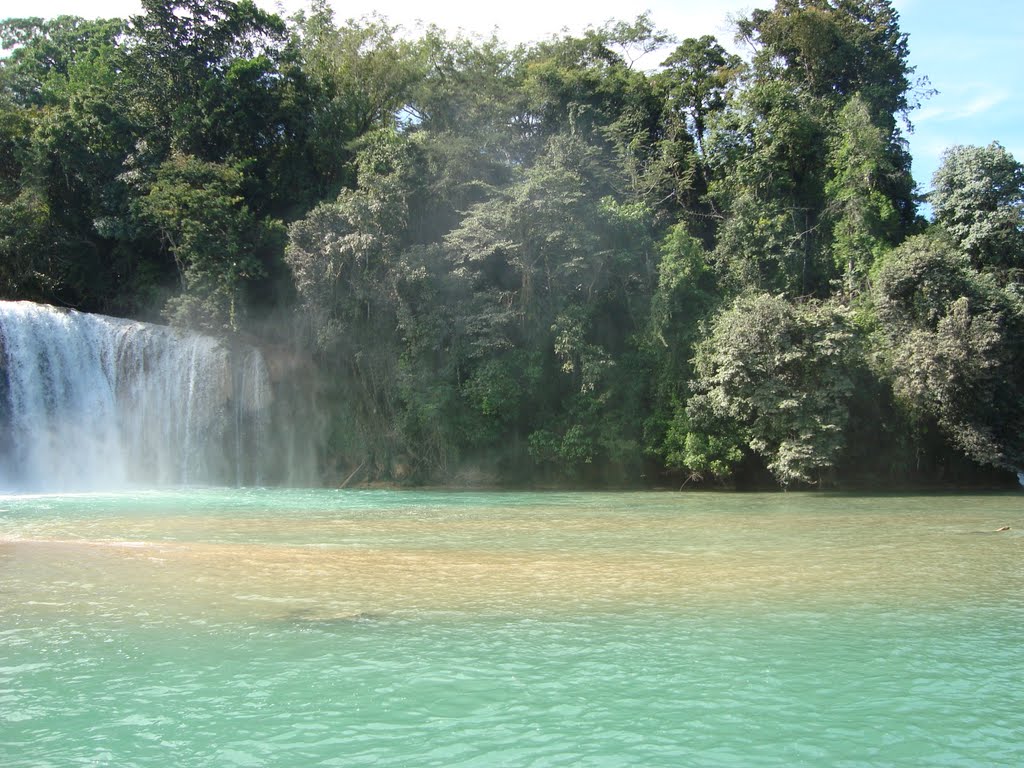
(623, 257)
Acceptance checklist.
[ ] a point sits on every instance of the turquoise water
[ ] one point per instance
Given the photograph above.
(350, 628)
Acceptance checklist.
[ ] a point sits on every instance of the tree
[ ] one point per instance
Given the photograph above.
(561, 275)
(197, 208)
(693, 86)
(44, 55)
(197, 50)
(685, 297)
(469, 108)
(695, 78)
(835, 49)
(347, 260)
(361, 74)
(864, 220)
(978, 198)
(64, 89)
(775, 378)
(32, 261)
(586, 84)
(767, 158)
(829, 79)
(954, 348)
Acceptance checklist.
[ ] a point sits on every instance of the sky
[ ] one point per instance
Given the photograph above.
(968, 51)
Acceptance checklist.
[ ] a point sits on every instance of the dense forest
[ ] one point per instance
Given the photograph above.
(619, 258)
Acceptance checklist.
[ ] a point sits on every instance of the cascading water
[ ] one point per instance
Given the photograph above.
(93, 402)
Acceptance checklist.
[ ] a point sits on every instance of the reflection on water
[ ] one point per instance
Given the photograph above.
(385, 628)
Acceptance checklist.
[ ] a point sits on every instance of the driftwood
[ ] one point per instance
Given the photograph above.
(349, 478)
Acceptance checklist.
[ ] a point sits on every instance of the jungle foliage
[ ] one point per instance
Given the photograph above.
(613, 258)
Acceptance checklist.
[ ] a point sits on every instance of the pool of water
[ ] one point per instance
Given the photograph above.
(278, 628)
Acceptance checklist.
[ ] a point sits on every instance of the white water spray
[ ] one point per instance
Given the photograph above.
(93, 402)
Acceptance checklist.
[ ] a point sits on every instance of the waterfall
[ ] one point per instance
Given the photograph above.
(94, 402)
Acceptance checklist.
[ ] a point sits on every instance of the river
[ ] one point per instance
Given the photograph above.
(415, 628)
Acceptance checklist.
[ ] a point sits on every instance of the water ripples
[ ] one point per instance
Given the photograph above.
(771, 637)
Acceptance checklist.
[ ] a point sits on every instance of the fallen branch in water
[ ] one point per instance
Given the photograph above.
(347, 479)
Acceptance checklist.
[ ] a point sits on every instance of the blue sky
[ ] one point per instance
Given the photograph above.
(970, 51)
(972, 54)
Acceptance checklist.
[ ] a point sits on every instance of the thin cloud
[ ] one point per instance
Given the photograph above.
(966, 102)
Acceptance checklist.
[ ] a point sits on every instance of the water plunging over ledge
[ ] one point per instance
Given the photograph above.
(94, 402)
